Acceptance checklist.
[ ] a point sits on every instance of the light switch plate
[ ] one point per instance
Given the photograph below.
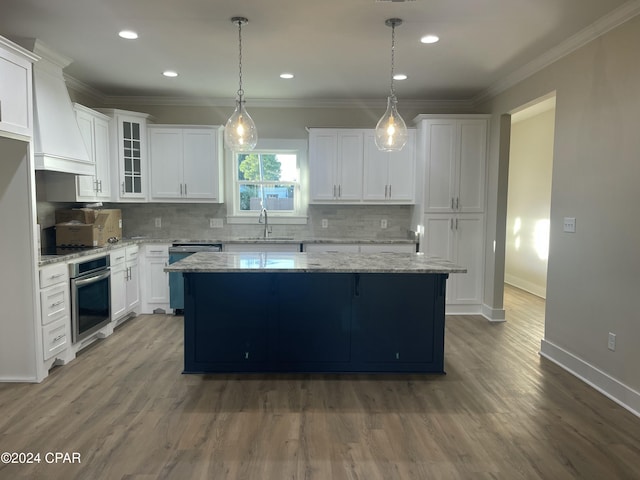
(158, 222)
(325, 223)
(569, 225)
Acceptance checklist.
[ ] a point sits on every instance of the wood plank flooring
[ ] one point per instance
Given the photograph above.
(501, 412)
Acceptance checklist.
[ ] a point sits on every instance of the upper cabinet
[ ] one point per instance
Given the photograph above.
(389, 176)
(128, 144)
(186, 163)
(455, 152)
(335, 165)
(62, 187)
(346, 167)
(16, 117)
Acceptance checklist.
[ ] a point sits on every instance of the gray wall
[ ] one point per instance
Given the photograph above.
(593, 280)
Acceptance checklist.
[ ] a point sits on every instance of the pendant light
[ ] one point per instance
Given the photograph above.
(240, 133)
(391, 131)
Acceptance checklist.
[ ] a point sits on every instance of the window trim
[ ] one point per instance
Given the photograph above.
(301, 195)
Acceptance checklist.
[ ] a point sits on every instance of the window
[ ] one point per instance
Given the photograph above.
(267, 178)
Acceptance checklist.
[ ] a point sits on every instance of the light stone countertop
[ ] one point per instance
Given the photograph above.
(51, 259)
(280, 262)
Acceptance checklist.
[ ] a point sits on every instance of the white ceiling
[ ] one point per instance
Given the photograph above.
(337, 49)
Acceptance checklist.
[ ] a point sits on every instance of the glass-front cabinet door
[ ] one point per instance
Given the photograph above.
(132, 158)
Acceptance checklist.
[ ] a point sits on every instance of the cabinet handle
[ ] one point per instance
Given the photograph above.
(451, 223)
(100, 184)
(386, 187)
(389, 190)
(120, 258)
(397, 355)
(57, 303)
(246, 355)
(356, 290)
(456, 224)
(340, 191)
(56, 275)
(155, 251)
(185, 190)
(457, 203)
(59, 337)
(123, 188)
(334, 191)
(452, 203)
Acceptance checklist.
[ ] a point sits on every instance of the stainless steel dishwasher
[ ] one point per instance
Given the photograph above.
(176, 283)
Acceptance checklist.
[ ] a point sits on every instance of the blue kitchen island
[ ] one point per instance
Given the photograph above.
(314, 312)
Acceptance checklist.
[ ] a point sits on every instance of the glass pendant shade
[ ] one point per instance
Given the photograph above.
(240, 134)
(391, 131)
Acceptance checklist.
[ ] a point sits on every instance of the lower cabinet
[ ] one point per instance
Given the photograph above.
(360, 247)
(458, 238)
(125, 282)
(154, 280)
(314, 322)
(55, 310)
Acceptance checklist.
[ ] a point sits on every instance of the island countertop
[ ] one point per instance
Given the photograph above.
(335, 262)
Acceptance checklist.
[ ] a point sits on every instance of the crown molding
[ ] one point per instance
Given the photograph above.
(601, 26)
(158, 100)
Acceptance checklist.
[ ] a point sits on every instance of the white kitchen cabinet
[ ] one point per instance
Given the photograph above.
(360, 248)
(186, 163)
(336, 158)
(16, 107)
(455, 153)
(125, 282)
(389, 177)
(154, 280)
(55, 311)
(128, 151)
(62, 187)
(458, 238)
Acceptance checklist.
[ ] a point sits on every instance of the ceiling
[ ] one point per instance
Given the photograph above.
(337, 49)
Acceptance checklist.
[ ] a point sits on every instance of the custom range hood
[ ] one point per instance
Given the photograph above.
(58, 144)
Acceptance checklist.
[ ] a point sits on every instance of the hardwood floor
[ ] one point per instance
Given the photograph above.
(501, 412)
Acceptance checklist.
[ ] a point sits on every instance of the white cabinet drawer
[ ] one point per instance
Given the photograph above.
(118, 256)
(55, 303)
(50, 275)
(131, 253)
(54, 338)
(156, 251)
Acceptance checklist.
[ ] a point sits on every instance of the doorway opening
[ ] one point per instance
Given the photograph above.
(529, 195)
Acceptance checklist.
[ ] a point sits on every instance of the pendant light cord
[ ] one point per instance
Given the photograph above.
(393, 51)
(240, 90)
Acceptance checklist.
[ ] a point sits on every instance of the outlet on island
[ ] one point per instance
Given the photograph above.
(215, 223)
(158, 222)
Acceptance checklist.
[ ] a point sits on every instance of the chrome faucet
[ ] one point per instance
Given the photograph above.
(263, 214)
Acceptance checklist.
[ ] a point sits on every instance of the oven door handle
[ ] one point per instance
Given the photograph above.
(92, 279)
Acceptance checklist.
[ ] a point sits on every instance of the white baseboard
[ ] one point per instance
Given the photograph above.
(617, 391)
(534, 288)
(494, 314)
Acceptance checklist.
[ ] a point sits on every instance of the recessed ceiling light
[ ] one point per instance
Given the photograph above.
(429, 39)
(286, 75)
(399, 76)
(170, 73)
(128, 34)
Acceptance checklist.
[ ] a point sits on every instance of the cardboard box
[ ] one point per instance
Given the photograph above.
(103, 225)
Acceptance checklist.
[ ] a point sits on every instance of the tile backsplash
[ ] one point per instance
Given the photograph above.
(191, 221)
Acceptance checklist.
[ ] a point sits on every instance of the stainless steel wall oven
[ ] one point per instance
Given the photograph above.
(90, 296)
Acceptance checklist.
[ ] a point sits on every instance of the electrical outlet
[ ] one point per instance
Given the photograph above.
(569, 225)
(215, 223)
(158, 222)
(325, 223)
(383, 223)
(611, 344)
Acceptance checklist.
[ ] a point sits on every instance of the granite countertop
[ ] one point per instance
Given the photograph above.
(203, 262)
(50, 259)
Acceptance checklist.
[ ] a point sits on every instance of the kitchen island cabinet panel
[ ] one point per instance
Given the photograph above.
(387, 330)
(233, 316)
(314, 314)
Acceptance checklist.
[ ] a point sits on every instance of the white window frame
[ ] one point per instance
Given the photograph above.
(301, 195)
